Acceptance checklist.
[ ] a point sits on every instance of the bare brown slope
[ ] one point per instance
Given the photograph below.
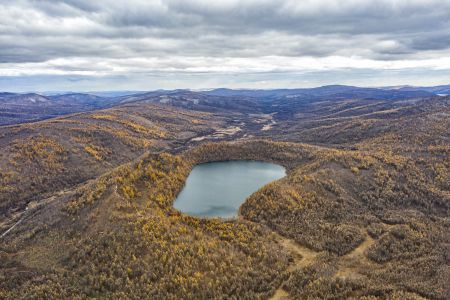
(407, 125)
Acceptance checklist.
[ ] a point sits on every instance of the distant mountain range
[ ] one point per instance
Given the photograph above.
(18, 108)
(440, 89)
(329, 90)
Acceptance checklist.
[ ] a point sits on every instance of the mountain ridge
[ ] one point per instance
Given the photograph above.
(21, 108)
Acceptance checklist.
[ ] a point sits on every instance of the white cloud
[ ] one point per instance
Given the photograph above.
(141, 38)
(195, 64)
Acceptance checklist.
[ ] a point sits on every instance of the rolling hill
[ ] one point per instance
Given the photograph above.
(363, 213)
(20, 108)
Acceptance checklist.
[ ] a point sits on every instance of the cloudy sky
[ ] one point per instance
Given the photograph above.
(150, 44)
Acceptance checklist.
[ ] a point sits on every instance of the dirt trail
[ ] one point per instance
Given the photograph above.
(35, 205)
(270, 123)
(31, 207)
(302, 257)
(280, 294)
(358, 252)
(219, 134)
(351, 262)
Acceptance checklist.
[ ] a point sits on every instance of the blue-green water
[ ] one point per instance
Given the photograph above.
(217, 189)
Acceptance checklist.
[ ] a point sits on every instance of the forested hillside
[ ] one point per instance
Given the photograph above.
(39, 159)
(363, 212)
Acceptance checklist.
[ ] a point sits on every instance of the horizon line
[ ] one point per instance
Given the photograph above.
(220, 87)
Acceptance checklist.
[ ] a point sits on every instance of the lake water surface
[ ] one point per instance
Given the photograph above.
(217, 189)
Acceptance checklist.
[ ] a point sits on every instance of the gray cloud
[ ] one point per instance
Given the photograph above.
(121, 38)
